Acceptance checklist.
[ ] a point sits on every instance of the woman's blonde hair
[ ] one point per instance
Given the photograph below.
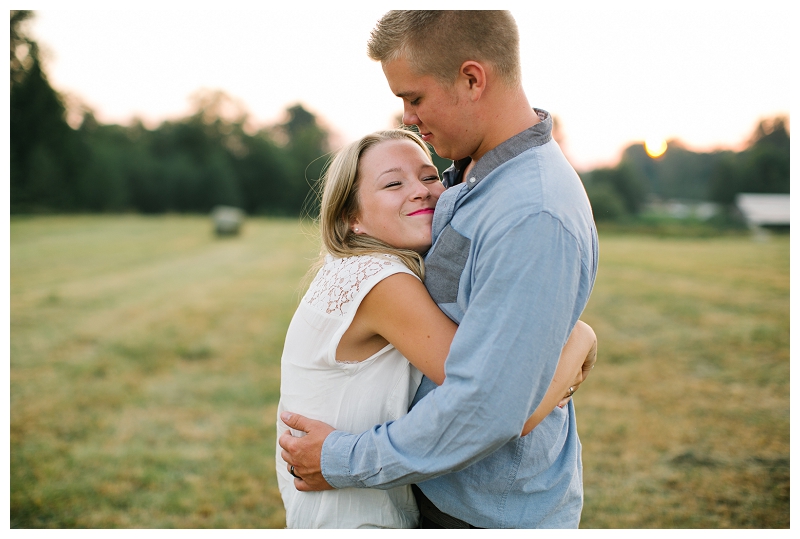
(340, 203)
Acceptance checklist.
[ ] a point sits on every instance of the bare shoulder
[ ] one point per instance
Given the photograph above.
(395, 288)
(381, 309)
(400, 311)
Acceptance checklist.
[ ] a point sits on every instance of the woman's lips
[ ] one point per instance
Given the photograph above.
(421, 212)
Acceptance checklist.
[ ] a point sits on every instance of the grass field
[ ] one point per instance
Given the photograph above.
(145, 375)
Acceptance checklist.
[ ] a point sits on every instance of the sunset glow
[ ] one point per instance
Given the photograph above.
(279, 69)
(655, 147)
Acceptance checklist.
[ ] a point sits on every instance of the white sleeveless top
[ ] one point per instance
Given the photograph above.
(352, 397)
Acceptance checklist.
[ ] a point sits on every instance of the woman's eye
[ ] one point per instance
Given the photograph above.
(431, 179)
(392, 184)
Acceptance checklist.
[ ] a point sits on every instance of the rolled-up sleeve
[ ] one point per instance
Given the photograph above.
(522, 306)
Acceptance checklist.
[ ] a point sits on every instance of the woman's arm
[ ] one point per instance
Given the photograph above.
(400, 311)
(577, 359)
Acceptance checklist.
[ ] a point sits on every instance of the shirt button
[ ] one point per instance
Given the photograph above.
(472, 180)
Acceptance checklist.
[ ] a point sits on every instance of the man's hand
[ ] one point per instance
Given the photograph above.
(302, 454)
(586, 368)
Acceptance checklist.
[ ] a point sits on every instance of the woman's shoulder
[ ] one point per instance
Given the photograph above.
(341, 281)
(364, 264)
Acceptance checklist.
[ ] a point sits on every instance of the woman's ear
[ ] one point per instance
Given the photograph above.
(355, 225)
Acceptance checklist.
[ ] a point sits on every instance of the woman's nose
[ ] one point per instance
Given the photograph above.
(421, 191)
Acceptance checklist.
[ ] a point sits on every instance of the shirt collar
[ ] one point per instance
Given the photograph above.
(537, 135)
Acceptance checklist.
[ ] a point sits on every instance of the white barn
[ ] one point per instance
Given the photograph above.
(764, 209)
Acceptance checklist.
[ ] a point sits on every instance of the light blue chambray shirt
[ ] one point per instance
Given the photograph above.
(513, 263)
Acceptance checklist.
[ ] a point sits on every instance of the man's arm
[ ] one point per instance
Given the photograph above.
(582, 342)
(504, 354)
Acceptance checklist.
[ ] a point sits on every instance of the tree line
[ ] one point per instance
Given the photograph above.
(762, 167)
(188, 165)
(211, 158)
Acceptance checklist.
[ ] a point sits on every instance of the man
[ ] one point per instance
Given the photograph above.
(513, 263)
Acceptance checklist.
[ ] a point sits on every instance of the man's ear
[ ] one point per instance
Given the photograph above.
(472, 76)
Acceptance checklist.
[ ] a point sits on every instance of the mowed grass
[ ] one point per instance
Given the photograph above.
(145, 370)
(145, 376)
(685, 419)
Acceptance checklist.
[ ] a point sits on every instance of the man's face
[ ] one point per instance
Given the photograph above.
(439, 112)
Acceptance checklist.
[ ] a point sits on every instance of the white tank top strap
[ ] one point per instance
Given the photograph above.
(342, 283)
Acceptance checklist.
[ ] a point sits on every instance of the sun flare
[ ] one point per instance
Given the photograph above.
(655, 147)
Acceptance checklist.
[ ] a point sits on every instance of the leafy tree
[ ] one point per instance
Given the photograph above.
(726, 180)
(45, 155)
(678, 173)
(761, 168)
(23, 49)
(771, 132)
(264, 171)
(307, 148)
(189, 165)
(622, 182)
(766, 162)
(766, 170)
(607, 205)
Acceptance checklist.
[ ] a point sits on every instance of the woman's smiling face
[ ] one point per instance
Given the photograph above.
(398, 187)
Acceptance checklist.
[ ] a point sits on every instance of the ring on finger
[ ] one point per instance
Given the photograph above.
(291, 471)
(571, 391)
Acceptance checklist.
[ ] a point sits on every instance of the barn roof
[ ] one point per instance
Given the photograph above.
(764, 209)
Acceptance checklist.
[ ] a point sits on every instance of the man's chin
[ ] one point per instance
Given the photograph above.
(448, 154)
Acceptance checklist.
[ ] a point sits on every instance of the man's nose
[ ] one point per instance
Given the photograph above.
(409, 116)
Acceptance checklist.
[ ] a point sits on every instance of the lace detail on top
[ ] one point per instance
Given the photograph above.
(340, 280)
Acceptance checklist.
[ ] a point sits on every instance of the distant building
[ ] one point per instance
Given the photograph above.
(764, 210)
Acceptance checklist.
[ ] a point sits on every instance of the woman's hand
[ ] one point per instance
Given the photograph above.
(588, 365)
(570, 373)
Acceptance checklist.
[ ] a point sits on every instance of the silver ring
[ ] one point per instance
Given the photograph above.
(571, 390)
(291, 471)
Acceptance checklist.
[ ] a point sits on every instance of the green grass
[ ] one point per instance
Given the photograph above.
(145, 370)
(145, 375)
(685, 421)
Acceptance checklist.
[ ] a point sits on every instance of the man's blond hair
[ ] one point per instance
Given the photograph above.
(436, 43)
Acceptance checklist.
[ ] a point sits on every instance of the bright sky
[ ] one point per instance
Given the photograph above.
(611, 76)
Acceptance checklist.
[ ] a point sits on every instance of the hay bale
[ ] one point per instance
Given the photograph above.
(227, 220)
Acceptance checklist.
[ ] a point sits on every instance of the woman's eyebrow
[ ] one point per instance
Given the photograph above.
(395, 169)
(398, 169)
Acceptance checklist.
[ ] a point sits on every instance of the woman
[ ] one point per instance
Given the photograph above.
(367, 329)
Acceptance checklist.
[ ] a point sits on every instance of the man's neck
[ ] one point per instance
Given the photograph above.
(507, 114)
(467, 169)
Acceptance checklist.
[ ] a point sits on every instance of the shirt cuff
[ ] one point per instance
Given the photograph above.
(335, 459)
